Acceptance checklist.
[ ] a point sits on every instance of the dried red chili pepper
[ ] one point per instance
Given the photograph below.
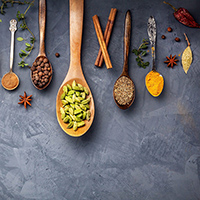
(184, 17)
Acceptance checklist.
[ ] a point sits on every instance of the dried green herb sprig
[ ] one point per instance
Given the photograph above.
(29, 46)
(12, 2)
(141, 52)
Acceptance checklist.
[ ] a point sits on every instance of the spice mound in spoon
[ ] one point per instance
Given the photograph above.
(10, 81)
(124, 90)
(154, 83)
(41, 72)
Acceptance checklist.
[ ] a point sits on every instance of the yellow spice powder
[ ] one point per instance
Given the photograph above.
(154, 83)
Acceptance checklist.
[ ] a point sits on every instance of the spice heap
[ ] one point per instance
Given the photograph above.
(124, 90)
(76, 106)
(41, 72)
(154, 83)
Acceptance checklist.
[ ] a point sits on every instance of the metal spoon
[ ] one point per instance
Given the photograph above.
(148, 79)
(10, 81)
(42, 54)
(75, 72)
(124, 88)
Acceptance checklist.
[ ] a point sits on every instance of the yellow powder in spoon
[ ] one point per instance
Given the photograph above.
(154, 83)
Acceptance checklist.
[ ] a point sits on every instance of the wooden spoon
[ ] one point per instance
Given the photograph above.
(10, 81)
(153, 78)
(128, 92)
(75, 70)
(42, 54)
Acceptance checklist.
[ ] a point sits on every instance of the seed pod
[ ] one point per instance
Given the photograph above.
(70, 125)
(82, 123)
(66, 108)
(84, 115)
(79, 115)
(62, 96)
(69, 87)
(83, 107)
(86, 101)
(65, 89)
(70, 92)
(71, 111)
(83, 95)
(65, 102)
(80, 86)
(77, 111)
(86, 90)
(69, 99)
(62, 111)
(66, 119)
(76, 88)
(78, 94)
(88, 114)
(75, 126)
(74, 84)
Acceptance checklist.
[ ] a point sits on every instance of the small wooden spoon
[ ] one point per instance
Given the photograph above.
(10, 81)
(42, 54)
(75, 70)
(129, 93)
(153, 78)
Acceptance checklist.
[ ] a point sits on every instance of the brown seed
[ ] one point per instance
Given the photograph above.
(42, 65)
(35, 64)
(46, 80)
(37, 78)
(40, 74)
(46, 65)
(46, 72)
(33, 68)
(163, 36)
(57, 55)
(39, 68)
(38, 62)
(49, 69)
(49, 74)
(40, 59)
(35, 82)
(43, 83)
(169, 29)
(45, 60)
(177, 39)
(40, 84)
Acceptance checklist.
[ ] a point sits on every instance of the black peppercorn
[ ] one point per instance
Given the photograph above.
(57, 55)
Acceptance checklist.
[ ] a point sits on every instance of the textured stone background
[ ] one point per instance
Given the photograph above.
(149, 152)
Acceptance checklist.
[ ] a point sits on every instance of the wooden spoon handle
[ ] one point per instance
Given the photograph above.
(76, 28)
(127, 35)
(42, 24)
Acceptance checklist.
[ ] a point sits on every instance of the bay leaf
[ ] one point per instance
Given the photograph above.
(187, 59)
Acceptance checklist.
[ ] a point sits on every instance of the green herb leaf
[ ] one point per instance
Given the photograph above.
(146, 63)
(27, 44)
(144, 46)
(20, 39)
(143, 53)
(0, 20)
(135, 51)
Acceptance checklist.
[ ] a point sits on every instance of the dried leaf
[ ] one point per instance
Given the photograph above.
(186, 59)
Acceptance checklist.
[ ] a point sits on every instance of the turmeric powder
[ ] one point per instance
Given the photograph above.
(154, 83)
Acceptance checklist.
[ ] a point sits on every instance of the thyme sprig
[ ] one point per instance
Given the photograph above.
(12, 2)
(141, 52)
(29, 46)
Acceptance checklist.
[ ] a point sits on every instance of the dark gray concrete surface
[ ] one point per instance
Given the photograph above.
(148, 152)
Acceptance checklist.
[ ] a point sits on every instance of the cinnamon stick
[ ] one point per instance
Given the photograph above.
(101, 41)
(107, 34)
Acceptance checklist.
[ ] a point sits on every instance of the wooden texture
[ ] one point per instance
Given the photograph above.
(75, 70)
(101, 41)
(127, 36)
(107, 34)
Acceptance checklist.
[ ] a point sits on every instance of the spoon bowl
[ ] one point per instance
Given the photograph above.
(41, 75)
(75, 70)
(124, 87)
(10, 81)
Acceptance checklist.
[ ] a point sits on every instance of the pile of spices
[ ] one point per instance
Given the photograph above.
(76, 106)
(184, 17)
(10, 81)
(41, 72)
(154, 83)
(123, 90)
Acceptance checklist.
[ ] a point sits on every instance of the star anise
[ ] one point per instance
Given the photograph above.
(171, 61)
(25, 100)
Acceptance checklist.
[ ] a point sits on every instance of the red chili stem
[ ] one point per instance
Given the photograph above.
(170, 5)
(186, 38)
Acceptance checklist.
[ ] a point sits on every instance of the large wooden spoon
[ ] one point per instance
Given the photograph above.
(124, 87)
(75, 70)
